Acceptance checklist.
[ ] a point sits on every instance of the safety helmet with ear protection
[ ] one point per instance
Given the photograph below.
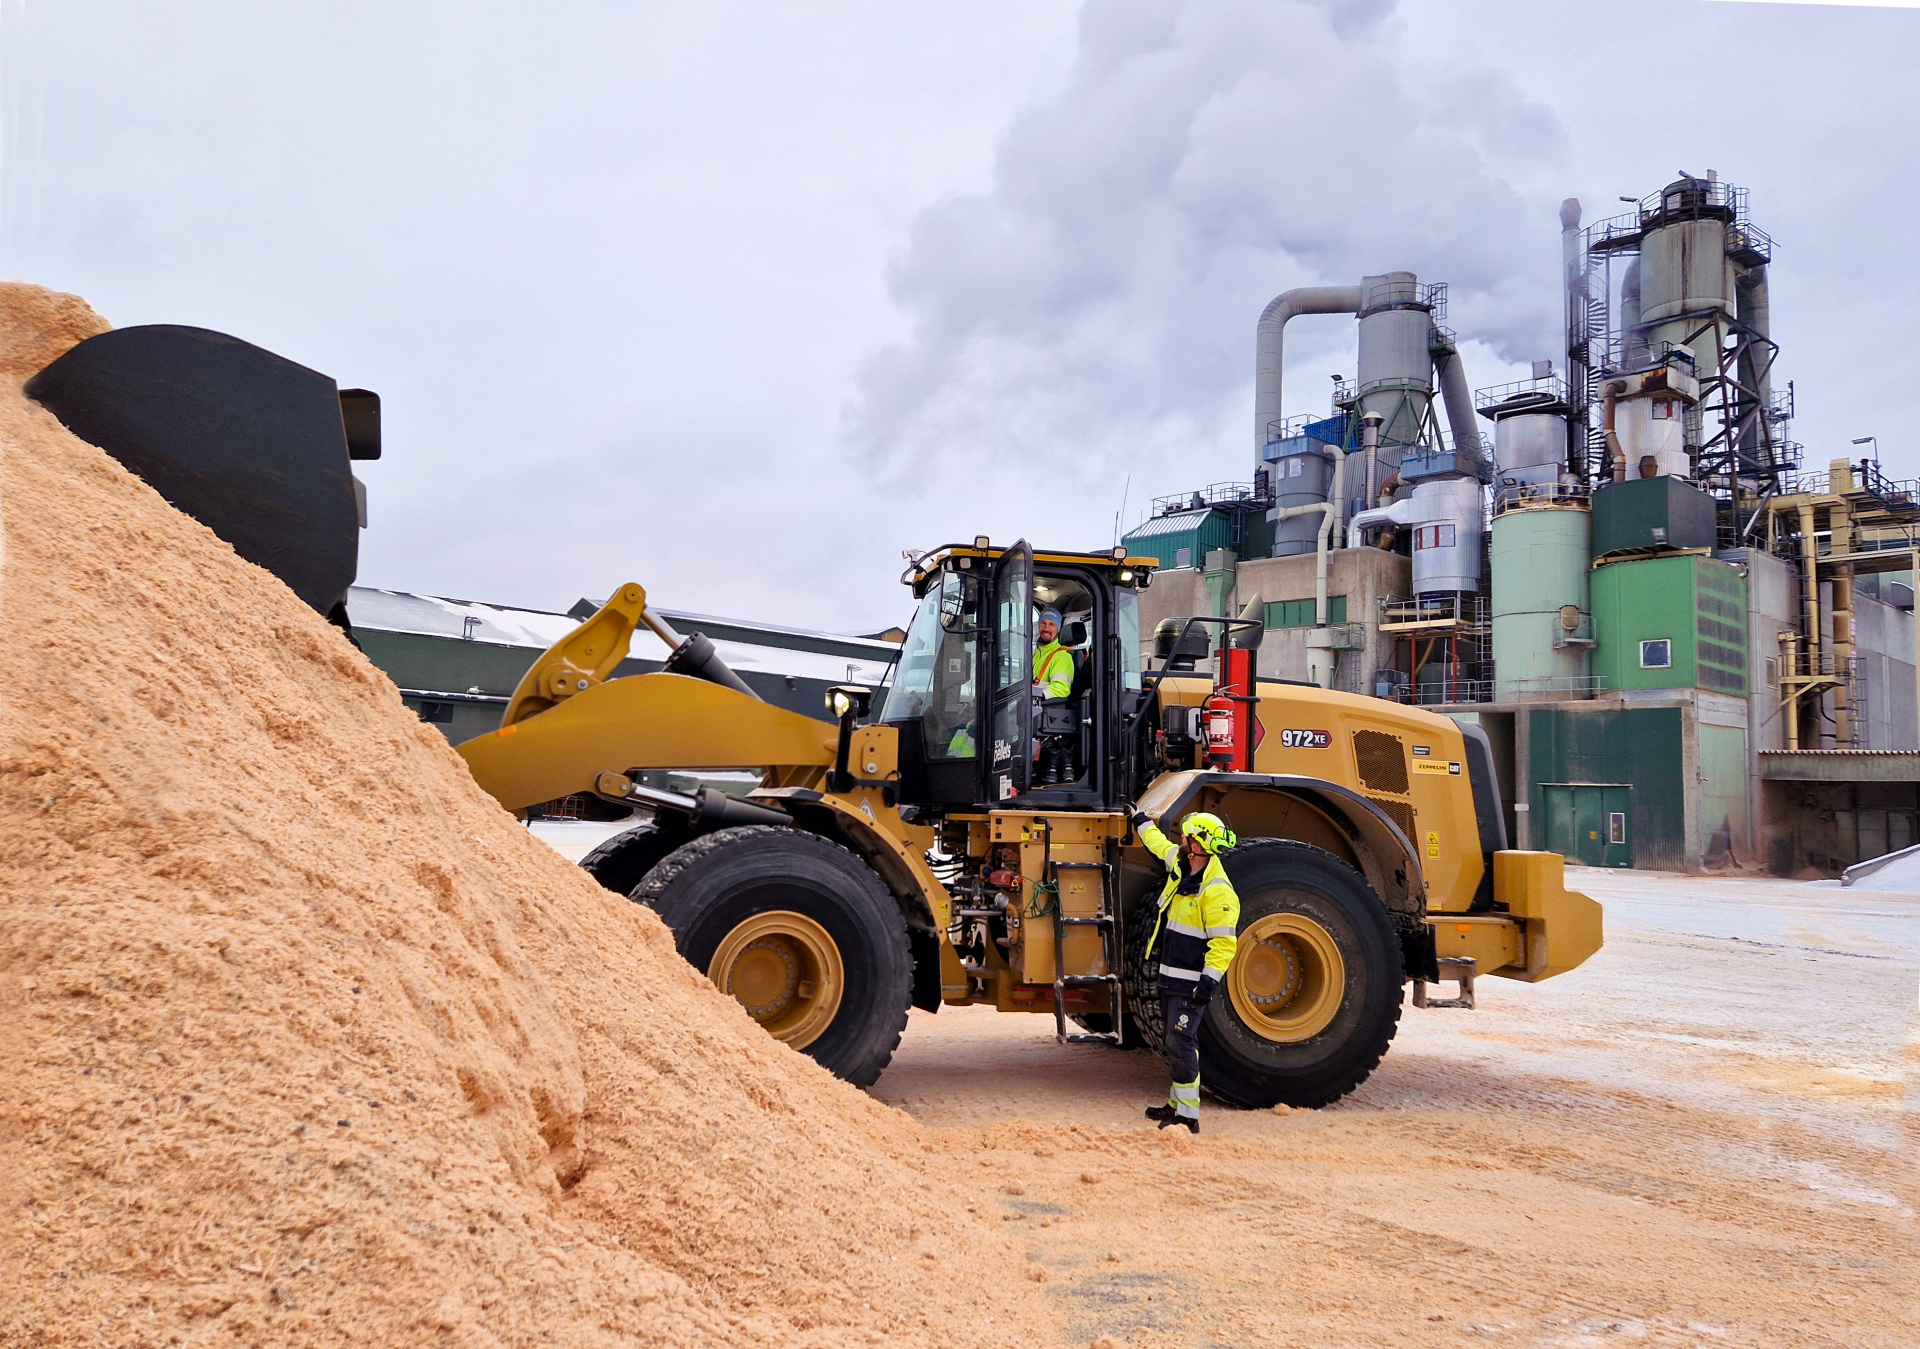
(1210, 832)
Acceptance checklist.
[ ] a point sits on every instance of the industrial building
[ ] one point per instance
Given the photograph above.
(456, 662)
(1687, 651)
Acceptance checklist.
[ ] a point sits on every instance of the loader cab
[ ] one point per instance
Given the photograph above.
(962, 696)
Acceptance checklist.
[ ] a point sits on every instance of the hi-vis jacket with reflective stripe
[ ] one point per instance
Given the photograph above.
(1195, 932)
(1053, 670)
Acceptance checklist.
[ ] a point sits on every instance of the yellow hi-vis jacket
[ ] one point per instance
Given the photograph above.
(1053, 670)
(1199, 923)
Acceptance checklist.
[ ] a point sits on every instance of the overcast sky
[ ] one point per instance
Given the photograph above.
(740, 300)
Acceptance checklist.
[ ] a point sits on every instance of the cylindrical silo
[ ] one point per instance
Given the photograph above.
(1685, 275)
(1542, 620)
(1656, 429)
(1447, 524)
(1395, 363)
(1529, 439)
(1300, 475)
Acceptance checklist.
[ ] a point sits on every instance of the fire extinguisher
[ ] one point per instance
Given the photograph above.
(1228, 711)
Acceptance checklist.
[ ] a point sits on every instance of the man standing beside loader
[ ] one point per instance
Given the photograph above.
(1195, 936)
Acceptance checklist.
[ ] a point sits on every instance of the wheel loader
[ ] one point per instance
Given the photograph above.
(908, 854)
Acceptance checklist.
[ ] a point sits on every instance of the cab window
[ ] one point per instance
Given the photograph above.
(934, 684)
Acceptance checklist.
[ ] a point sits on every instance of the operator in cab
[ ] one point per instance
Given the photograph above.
(1052, 678)
(1195, 935)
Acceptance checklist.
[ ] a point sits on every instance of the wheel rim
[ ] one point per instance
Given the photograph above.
(1287, 978)
(785, 970)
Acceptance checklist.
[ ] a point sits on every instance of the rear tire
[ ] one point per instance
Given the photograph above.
(1145, 1011)
(738, 883)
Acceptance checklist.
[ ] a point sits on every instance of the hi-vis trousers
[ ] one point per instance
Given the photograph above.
(1183, 1055)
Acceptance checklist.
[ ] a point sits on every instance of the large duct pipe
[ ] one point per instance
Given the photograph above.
(1397, 514)
(1630, 314)
(1616, 455)
(1574, 275)
(1370, 446)
(1459, 400)
(1269, 346)
(1750, 292)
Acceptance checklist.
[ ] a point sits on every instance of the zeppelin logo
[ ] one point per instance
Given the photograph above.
(1305, 739)
(1435, 766)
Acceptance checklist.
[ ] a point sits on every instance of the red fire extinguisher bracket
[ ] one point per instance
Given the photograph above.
(1232, 729)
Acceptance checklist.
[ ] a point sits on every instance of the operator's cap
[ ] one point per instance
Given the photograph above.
(1051, 616)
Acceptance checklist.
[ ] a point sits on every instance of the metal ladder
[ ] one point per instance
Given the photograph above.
(1109, 937)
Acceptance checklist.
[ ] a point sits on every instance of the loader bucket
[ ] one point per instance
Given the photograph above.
(250, 444)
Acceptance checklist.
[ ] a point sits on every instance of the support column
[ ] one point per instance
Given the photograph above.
(1523, 779)
(1809, 603)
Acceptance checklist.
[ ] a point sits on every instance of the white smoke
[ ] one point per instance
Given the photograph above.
(1099, 300)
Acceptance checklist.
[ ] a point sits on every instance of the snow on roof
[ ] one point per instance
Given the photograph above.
(504, 625)
(1173, 522)
(432, 616)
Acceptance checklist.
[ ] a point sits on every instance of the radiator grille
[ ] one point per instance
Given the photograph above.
(1398, 811)
(1381, 760)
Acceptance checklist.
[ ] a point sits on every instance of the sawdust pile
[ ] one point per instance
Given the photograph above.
(306, 1042)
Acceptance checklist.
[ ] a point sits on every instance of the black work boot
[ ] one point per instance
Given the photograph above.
(1049, 763)
(1193, 1125)
(1164, 1113)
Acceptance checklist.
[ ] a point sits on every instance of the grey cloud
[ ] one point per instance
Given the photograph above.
(1203, 155)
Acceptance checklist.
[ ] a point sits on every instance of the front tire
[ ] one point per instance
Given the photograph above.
(798, 929)
(1312, 999)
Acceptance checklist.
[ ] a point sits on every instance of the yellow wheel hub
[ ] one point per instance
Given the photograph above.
(785, 970)
(1287, 978)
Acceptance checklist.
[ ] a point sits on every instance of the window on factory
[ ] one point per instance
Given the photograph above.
(1662, 410)
(1182, 558)
(1773, 672)
(1299, 613)
(1656, 654)
(1433, 536)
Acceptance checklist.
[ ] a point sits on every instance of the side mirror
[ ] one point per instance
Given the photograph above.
(953, 602)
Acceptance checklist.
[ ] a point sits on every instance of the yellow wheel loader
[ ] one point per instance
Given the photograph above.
(967, 840)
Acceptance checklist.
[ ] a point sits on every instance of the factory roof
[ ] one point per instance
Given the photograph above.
(744, 645)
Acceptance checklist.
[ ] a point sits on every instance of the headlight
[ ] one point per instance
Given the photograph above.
(838, 703)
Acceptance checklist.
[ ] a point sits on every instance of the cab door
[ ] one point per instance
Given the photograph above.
(1009, 757)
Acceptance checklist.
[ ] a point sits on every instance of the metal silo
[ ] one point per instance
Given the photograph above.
(1447, 525)
(1299, 473)
(1542, 617)
(1685, 272)
(1395, 368)
(1529, 430)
